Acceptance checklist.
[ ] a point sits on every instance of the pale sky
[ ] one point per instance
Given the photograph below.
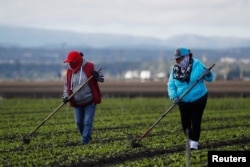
(155, 18)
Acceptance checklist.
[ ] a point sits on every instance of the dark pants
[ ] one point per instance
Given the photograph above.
(191, 116)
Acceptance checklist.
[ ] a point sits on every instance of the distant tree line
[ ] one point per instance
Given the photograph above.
(44, 63)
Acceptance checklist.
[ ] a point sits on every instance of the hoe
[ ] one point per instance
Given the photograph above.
(26, 139)
(135, 142)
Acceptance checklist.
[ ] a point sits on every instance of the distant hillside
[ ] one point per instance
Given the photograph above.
(34, 37)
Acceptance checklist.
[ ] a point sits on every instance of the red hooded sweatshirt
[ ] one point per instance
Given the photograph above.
(88, 69)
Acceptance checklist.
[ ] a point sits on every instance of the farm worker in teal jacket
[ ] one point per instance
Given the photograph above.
(183, 74)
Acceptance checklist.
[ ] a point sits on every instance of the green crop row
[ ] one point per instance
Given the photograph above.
(118, 121)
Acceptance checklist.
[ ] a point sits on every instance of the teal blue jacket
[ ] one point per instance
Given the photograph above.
(176, 88)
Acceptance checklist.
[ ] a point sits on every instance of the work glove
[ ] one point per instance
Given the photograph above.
(208, 73)
(65, 100)
(97, 76)
(176, 100)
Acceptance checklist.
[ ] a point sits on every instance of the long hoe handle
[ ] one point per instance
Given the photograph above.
(171, 107)
(26, 140)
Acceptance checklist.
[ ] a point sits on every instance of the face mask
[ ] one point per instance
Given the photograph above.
(184, 63)
(74, 66)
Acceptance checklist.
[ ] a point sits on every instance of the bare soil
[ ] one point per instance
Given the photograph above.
(119, 89)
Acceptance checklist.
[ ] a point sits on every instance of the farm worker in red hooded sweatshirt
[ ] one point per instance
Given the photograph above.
(85, 100)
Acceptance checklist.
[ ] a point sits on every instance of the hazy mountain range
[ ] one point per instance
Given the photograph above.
(35, 37)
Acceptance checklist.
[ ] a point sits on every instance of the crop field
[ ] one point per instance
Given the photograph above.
(225, 126)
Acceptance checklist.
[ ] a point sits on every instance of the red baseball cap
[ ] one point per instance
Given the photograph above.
(73, 56)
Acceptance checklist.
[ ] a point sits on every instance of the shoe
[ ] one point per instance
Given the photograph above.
(193, 145)
(85, 143)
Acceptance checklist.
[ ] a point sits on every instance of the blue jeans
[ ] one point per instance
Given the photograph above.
(84, 118)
